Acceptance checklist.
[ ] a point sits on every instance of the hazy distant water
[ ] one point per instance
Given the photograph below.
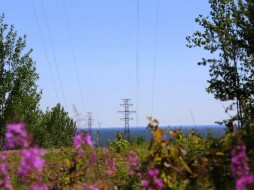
(106, 134)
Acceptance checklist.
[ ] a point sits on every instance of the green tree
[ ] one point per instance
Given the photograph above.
(228, 32)
(19, 99)
(56, 128)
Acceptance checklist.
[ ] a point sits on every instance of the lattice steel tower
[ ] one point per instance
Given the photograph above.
(126, 118)
(89, 122)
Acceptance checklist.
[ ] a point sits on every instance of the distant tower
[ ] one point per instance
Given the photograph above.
(126, 118)
(89, 122)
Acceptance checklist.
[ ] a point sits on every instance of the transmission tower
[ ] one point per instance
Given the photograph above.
(126, 118)
(89, 120)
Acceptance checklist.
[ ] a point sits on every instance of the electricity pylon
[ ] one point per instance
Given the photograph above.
(89, 122)
(126, 118)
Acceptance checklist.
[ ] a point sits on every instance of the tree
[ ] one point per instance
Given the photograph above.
(56, 128)
(228, 32)
(19, 99)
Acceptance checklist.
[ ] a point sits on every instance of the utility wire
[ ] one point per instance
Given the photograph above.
(74, 57)
(44, 48)
(137, 67)
(130, 52)
(51, 43)
(130, 66)
(88, 70)
(155, 54)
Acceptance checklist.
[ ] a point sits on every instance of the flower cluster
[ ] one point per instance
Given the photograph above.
(243, 181)
(110, 162)
(79, 141)
(240, 168)
(152, 181)
(91, 187)
(134, 163)
(39, 186)
(16, 135)
(239, 162)
(4, 175)
(31, 157)
(31, 160)
(92, 159)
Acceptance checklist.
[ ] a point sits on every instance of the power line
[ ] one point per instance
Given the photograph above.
(137, 67)
(50, 39)
(74, 57)
(130, 54)
(44, 48)
(88, 70)
(155, 54)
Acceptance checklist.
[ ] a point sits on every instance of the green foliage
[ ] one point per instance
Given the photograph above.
(228, 32)
(19, 99)
(120, 143)
(190, 161)
(137, 140)
(56, 128)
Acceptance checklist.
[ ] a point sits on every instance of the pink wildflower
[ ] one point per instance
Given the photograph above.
(31, 159)
(16, 135)
(88, 140)
(133, 163)
(240, 168)
(77, 141)
(239, 162)
(92, 158)
(109, 162)
(152, 181)
(39, 186)
(243, 181)
(144, 183)
(93, 187)
(4, 174)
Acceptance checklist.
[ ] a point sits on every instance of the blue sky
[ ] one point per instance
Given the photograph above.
(101, 43)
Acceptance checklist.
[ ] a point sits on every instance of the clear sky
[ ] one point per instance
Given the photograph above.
(95, 45)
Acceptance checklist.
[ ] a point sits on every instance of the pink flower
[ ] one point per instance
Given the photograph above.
(133, 163)
(77, 141)
(153, 172)
(239, 162)
(16, 135)
(243, 181)
(31, 159)
(92, 158)
(144, 183)
(39, 186)
(5, 180)
(109, 162)
(109, 172)
(240, 168)
(93, 187)
(88, 140)
(152, 181)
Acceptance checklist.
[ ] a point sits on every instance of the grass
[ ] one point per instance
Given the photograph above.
(57, 170)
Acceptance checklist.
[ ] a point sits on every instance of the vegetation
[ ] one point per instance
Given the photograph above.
(19, 99)
(228, 32)
(56, 129)
(19, 96)
(184, 161)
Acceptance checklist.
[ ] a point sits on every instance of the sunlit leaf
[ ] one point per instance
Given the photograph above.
(220, 154)
(158, 134)
(186, 166)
